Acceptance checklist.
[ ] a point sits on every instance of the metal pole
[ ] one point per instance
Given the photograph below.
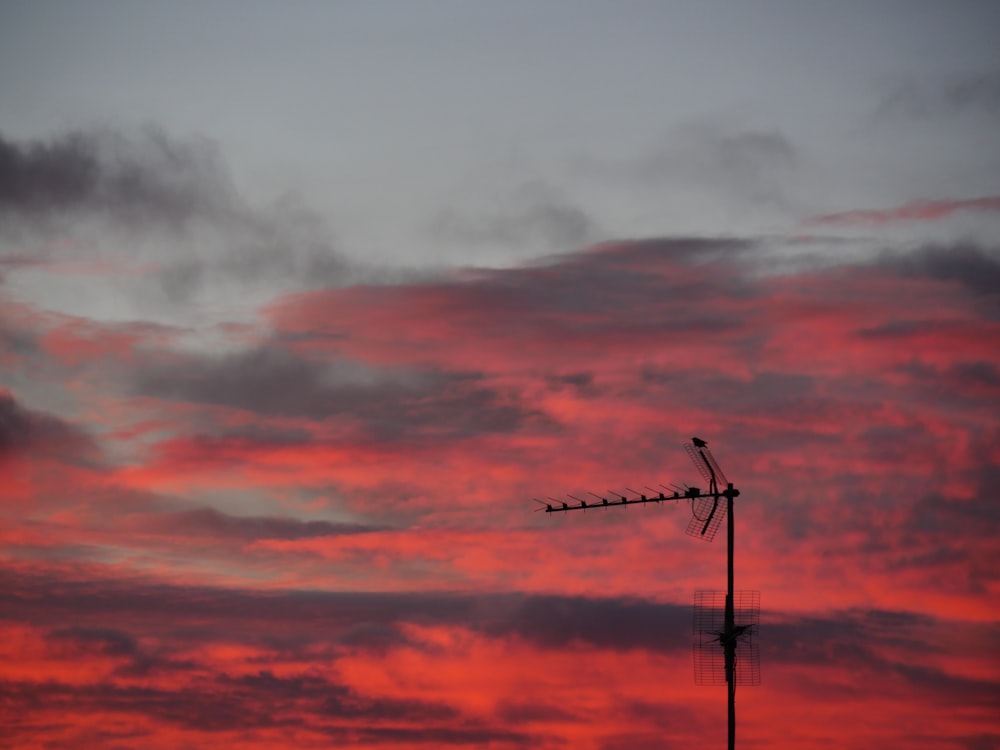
(730, 625)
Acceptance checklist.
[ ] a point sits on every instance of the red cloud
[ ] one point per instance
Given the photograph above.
(328, 538)
(189, 664)
(914, 211)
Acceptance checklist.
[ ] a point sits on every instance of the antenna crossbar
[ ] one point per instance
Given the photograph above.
(616, 500)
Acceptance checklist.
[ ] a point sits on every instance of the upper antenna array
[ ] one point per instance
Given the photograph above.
(707, 509)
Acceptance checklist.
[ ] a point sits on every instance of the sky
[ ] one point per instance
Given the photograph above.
(303, 304)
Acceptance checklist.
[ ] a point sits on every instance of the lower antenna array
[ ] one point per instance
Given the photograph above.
(710, 636)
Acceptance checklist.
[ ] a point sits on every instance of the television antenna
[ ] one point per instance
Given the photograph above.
(725, 623)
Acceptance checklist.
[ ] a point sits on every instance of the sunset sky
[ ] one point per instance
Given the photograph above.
(302, 303)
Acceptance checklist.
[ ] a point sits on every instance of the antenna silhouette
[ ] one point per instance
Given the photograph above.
(725, 623)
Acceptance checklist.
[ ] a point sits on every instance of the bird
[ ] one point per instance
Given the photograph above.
(699, 442)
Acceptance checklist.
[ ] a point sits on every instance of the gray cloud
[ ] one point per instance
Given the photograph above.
(979, 741)
(873, 644)
(283, 242)
(767, 393)
(218, 525)
(981, 374)
(615, 623)
(609, 282)
(270, 380)
(977, 92)
(752, 159)
(534, 215)
(155, 199)
(105, 641)
(858, 640)
(974, 267)
(15, 342)
(547, 621)
(27, 432)
(746, 166)
(148, 178)
(265, 701)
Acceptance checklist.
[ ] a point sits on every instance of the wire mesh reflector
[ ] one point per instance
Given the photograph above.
(707, 511)
(706, 517)
(709, 636)
(705, 462)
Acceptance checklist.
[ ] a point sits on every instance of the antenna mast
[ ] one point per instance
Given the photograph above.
(740, 610)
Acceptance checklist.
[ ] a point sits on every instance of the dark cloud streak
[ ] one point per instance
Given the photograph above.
(974, 267)
(213, 523)
(151, 178)
(272, 380)
(27, 432)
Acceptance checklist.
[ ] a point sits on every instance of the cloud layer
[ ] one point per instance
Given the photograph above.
(321, 531)
(160, 212)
